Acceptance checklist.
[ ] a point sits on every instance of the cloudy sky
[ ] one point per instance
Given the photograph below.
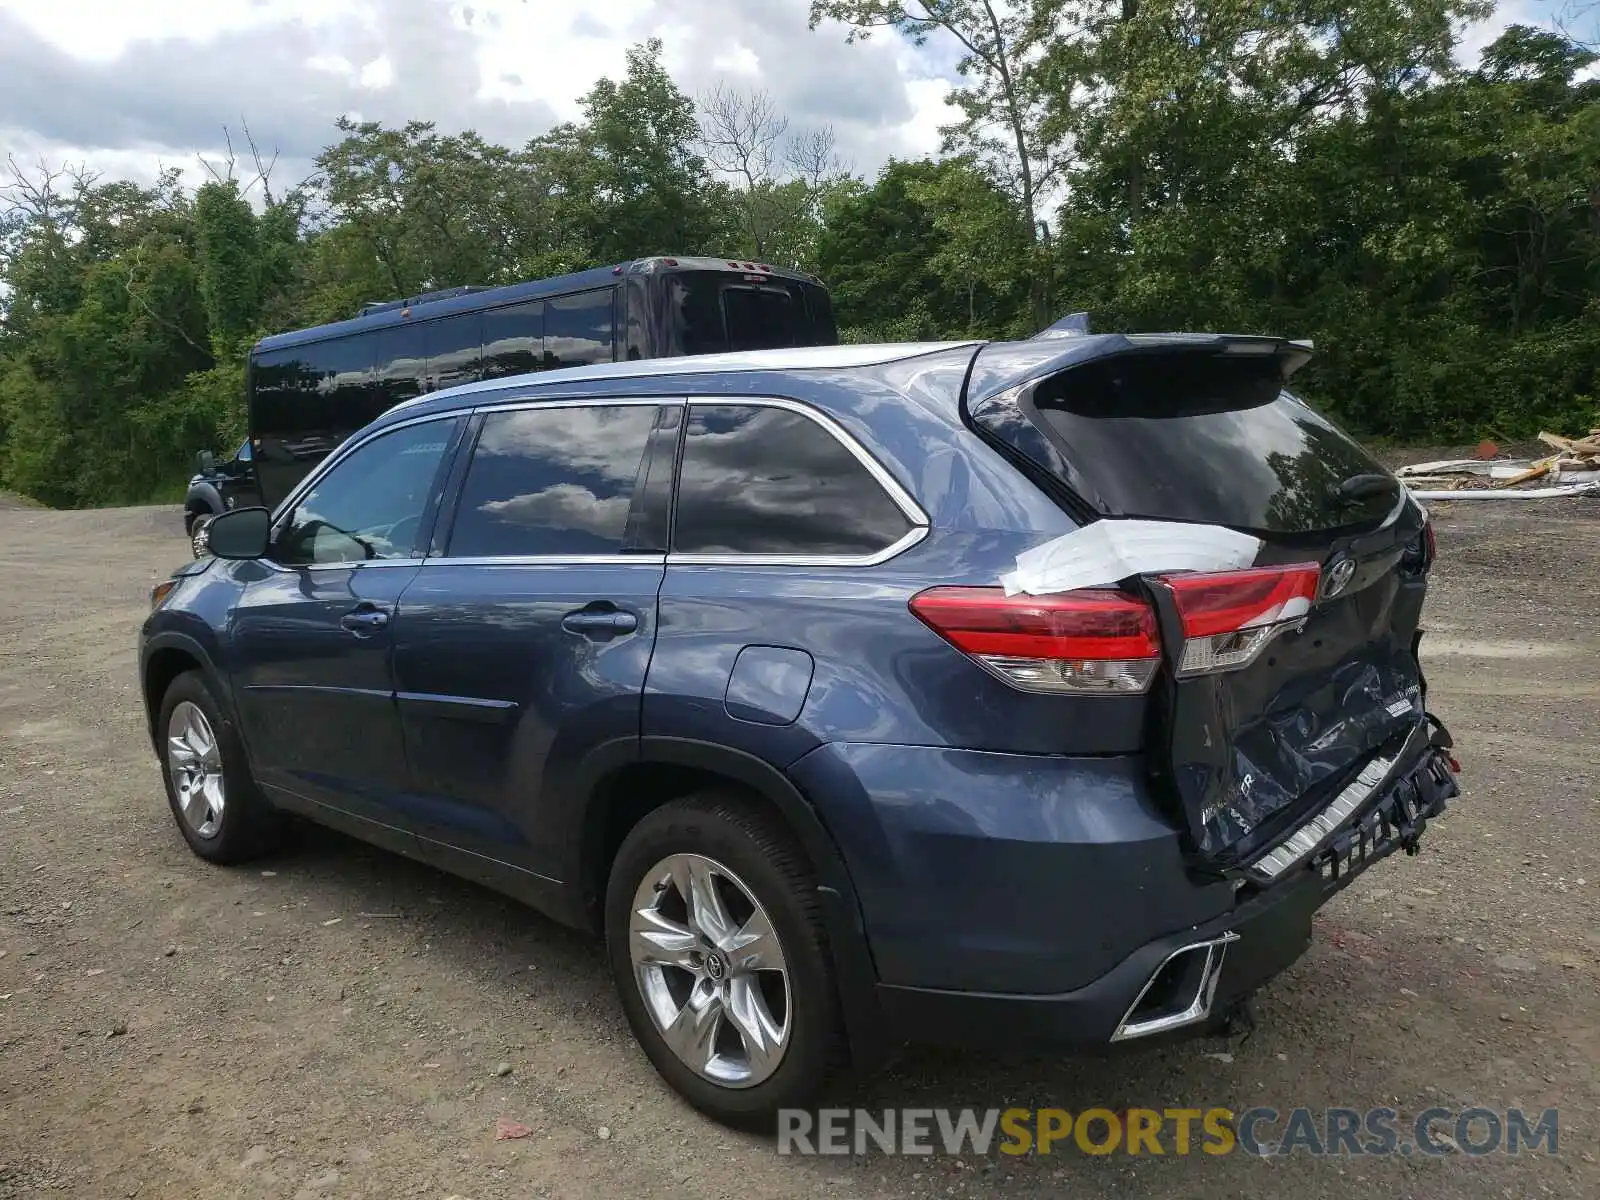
(124, 85)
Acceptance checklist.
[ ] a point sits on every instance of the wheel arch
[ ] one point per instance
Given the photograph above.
(166, 656)
(630, 778)
(201, 497)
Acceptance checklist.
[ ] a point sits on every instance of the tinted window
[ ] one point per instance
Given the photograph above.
(768, 481)
(513, 340)
(1205, 438)
(276, 386)
(243, 454)
(554, 481)
(453, 350)
(579, 329)
(346, 388)
(759, 318)
(714, 311)
(371, 504)
(402, 365)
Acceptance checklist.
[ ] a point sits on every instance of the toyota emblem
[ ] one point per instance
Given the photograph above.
(1338, 578)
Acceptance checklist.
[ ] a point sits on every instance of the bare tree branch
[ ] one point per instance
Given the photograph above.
(740, 132)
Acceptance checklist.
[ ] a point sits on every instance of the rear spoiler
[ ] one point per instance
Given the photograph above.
(1000, 366)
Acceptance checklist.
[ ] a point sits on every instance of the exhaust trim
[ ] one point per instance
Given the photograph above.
(1198, 1008)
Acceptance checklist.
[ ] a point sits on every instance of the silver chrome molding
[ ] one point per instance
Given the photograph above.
(911, 537)
(903, 500)
(1198, 1009)
(549, 560)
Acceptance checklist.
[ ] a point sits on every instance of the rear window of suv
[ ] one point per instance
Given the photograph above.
(1201, 437)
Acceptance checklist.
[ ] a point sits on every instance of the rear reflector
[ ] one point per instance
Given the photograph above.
(1229, 616)
(1074, 642)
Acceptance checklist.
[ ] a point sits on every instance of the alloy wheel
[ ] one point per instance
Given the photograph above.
(711, 970)
(194, 761)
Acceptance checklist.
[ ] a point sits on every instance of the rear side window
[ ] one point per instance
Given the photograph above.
(772, 482)
(554, 481)
(1205, 438)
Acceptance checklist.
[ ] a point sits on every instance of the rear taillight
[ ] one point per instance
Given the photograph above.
(1228, 617)
(1106, 641)
(1091, 641)
(1417, 558)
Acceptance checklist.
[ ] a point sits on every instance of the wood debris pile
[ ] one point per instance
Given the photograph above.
(1572, 470)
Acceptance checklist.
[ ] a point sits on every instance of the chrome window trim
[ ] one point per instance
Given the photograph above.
(911, 537)
(548, 560)
(580, 402)
(354, 564)
(903, 500)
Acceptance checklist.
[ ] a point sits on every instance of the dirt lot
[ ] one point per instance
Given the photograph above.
(282, 1040)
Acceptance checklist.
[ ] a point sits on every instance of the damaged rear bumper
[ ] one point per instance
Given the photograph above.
(1185, 981)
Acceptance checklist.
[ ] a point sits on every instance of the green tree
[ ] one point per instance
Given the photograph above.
(1003, 90)
(928, 251)
(632, 179)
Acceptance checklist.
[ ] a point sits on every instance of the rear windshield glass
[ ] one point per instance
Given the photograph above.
(1208, 438)
(716, 312)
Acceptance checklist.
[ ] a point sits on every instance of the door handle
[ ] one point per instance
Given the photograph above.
(600, 621)
(364, 620)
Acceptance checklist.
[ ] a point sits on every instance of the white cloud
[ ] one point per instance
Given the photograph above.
(564, 506)
(125, 86)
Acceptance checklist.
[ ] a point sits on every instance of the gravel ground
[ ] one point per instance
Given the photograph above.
(327, 1023)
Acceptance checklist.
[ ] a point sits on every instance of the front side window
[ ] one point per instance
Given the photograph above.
(371, 504)
(769, 481)
(554, 481)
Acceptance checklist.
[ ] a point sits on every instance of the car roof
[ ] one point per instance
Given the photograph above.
(412, 312)
(798, 358)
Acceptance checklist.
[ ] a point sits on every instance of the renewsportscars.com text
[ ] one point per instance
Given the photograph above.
(1348, 1132)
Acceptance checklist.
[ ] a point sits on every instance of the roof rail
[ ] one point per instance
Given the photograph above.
(377, 306)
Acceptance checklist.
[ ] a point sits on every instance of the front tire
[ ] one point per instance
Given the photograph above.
(715, 940)
(220, 811)
(199, 537)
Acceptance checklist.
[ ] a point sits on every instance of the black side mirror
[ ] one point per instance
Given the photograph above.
(204, 461)
(242, 533)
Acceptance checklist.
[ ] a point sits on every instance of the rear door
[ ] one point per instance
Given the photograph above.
(1251, 726)
(522, 643)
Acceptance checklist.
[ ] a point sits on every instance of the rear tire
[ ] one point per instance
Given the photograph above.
(731, 994)
(220, 811)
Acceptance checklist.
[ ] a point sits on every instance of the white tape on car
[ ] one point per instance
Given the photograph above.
(1103, 552)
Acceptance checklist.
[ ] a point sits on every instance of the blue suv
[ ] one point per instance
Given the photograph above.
(751, 663)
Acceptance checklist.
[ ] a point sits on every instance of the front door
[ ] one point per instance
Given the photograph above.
(313, 633)
(523, 647)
